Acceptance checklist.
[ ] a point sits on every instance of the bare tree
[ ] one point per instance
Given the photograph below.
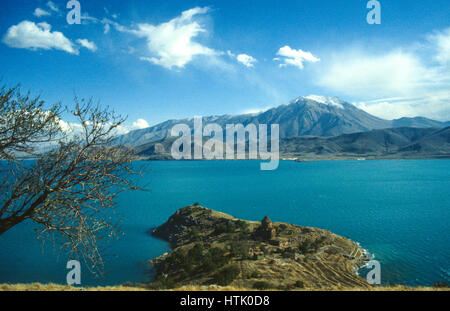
(24, 122)
(70, 189)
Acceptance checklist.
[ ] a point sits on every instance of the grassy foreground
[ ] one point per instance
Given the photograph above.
(58, 287)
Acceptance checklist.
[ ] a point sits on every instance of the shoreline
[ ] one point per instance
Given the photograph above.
(369, 256)
(446, 157)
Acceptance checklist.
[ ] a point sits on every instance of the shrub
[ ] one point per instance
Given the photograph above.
(195, 234)
(196, 253)
(212, 260)
(239, 250)
(305, 246)
(288, 253)
(162, 283)
(299, 284)
(281, 228)
(175, 260)
(262, 285)
(225, 227)
(242, 225)
(440, 284)
(317, 243)
(226, 275)
(220, 228)
(255, 275)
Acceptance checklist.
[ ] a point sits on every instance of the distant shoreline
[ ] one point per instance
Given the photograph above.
(349, 158)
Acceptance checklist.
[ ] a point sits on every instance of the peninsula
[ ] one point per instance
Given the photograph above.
(213, 248)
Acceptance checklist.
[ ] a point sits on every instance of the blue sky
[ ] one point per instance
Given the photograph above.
(158, 60)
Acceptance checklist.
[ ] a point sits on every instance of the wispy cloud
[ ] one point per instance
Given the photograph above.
(87, 19)
(106, 29)
(38, 12)
(431, 105)
(87, 44)
(52, 6)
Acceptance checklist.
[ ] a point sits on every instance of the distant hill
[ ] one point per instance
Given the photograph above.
(310, 115)
(418, 122)
(403, 142)
(437, 142)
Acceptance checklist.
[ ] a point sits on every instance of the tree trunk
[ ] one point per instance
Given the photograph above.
(8, 223)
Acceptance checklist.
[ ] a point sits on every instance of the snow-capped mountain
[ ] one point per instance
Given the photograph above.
(310, 115)
(327, 100)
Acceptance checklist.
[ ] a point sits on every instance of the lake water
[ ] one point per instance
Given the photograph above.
(399, 210)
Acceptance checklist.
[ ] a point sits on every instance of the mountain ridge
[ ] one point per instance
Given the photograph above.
(402, 142)
(307, 115)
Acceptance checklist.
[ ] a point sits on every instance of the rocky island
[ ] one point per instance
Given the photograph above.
(213, 248)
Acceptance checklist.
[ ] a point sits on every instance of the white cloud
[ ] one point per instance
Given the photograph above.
(357, 74)
(292, 57)
(70, 127)
(441, 42)
(52, 6)
(435, 106)
(88, 44)
(28, 35)
(255, 110)
(409, 81)
(75, 128)
(38, 12)
(139, 124)
(246, 60)
(171, 44)
(136, 125)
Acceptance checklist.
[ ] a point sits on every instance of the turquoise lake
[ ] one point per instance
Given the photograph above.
(399, 210)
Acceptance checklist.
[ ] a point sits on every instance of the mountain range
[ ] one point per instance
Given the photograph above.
(402, 142)
(305, 116)
(318, 127)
